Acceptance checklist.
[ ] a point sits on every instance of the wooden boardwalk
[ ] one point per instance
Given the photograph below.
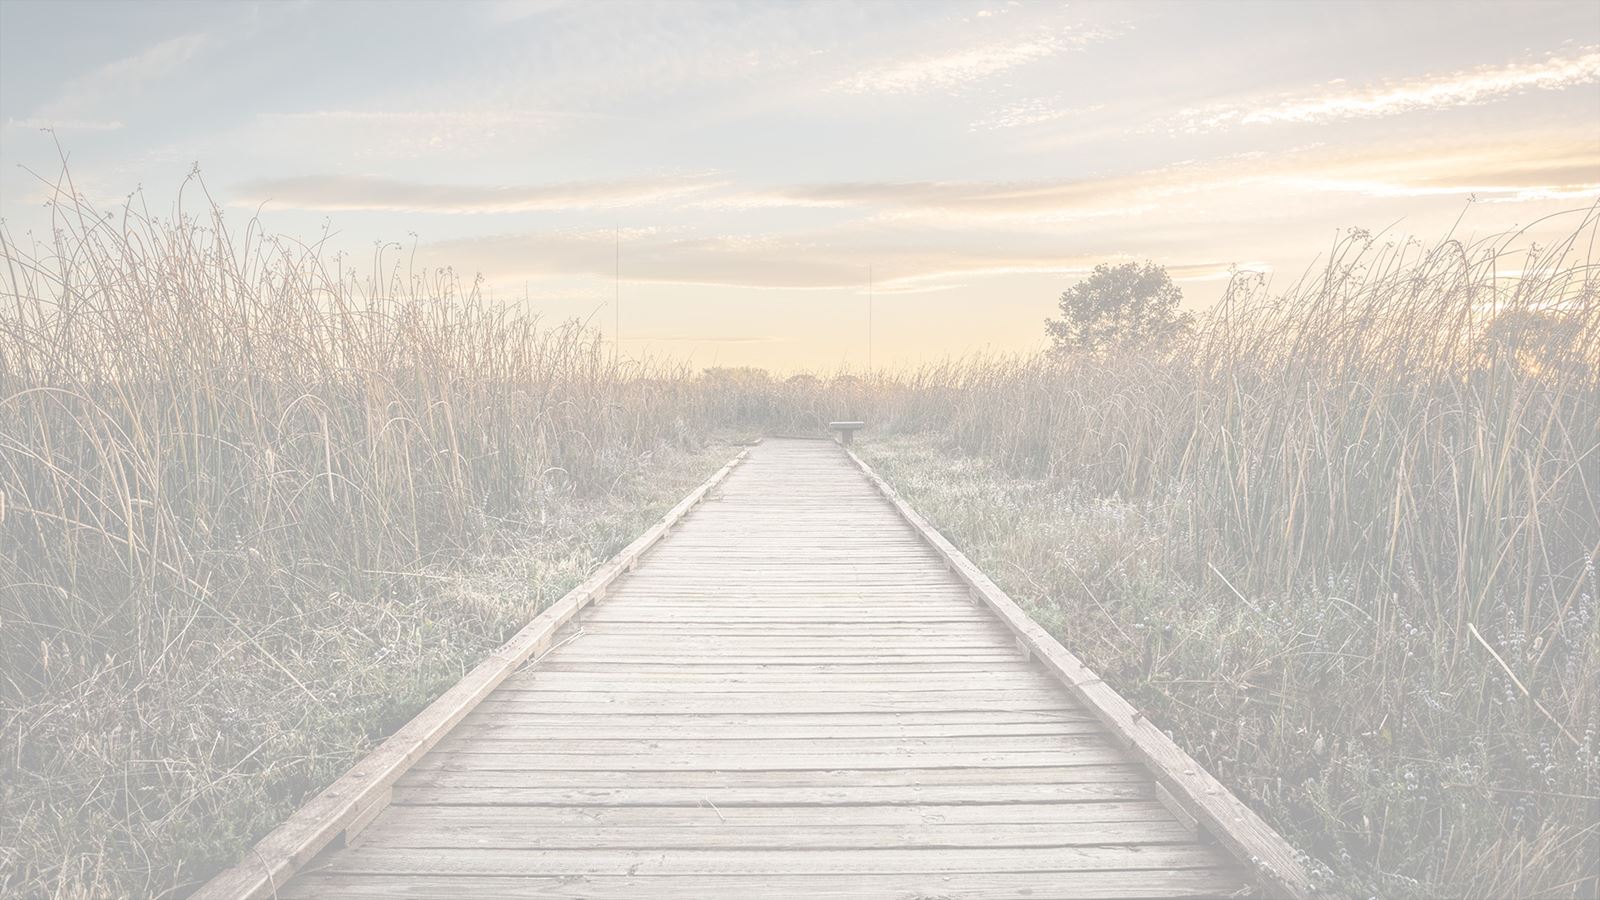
(791, 696)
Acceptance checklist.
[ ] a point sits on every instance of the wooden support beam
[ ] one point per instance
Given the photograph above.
(363, 818)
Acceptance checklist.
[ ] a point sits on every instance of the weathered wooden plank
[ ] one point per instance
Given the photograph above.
(779, 818)
(850, 611)
(737, 649)
(917, 682)
(646, 668)
(1188, 884)
(760, 678)
(819, 632)
(748, 742)
(743, 703)
(877, 860)
(952, 697)
(751, 728)
(951, 613)
(511, 834)
(791, 615)
(780, 718)
(747, 795)
(754, 638)
(666, 655)
(463, 774)
(735, 759)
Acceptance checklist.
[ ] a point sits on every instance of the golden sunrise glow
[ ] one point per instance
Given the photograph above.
(754, 163)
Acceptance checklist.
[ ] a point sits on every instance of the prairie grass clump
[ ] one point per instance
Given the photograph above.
(238, 481)
(1342, 541)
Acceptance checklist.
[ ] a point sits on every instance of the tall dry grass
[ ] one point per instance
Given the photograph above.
(235, 474)
(1357, 524)
(257, 506)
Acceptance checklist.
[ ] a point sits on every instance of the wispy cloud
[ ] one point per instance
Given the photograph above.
(85, 98)
(1547, 168)
(953, 70)
(66, 124)
(366, 193)
(504, 12)
(1092, 195)
(1339, 101)
(1036, 111)
(830, 259)
(1216, 271)
(1538, 168)
(706, 338)
(411, 133)
(926, 236)
(423, 118)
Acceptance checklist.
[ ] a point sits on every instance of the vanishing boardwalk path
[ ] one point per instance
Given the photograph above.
(791, 696)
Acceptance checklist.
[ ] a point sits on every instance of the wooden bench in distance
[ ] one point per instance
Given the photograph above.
(845, 431)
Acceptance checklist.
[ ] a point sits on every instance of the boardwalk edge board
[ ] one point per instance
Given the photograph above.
(1196, 793)
(332, 817)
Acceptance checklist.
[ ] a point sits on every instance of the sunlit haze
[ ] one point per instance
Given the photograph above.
(754, 162)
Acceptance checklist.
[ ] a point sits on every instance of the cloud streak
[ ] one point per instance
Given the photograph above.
(1339, 102)
(461, 129)
(955, 70)
(80, 99)
(66, 124)
(962, 198)
(1029, 112)
(370, 193)
(1536, 169)
(920, 263)
(809, 261)
(705, 339)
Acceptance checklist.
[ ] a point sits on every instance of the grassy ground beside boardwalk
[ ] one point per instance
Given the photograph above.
(129, 780)
(1324, 720)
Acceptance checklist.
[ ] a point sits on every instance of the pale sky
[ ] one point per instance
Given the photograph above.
(759, 158)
